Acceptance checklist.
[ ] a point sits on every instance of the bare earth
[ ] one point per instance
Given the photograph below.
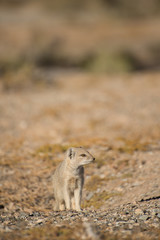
(118, 120)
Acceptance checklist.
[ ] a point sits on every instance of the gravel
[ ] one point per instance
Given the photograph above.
(124, 219)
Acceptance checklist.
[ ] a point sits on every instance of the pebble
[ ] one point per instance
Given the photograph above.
(39, 221)
(23, 215)
(156, 225)
(138, 211)
(144, 217)
(89, 196)
(131, 221)
(130, 226)
(126, 218)
(158, 215)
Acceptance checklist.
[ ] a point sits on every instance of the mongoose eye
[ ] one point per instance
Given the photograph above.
(83, 155)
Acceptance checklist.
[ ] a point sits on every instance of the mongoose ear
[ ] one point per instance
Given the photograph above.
(70, 153)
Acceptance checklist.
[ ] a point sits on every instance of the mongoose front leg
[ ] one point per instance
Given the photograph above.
(67, 198)
(77, 196)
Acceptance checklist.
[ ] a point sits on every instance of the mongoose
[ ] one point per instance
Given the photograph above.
(68, 179)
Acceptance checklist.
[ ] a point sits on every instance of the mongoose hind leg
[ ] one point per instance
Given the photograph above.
(56, 206)
(67, 197)
(77, 196)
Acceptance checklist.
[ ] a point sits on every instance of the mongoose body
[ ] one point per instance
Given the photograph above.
(68, 179)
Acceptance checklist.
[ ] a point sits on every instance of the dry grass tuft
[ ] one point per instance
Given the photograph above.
(98, 199)
(132, 145)
(94, 182)
(44, 232)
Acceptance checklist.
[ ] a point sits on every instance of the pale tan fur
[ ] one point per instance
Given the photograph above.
(68, 179)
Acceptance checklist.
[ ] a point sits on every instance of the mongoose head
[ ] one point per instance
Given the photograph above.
(79, 156)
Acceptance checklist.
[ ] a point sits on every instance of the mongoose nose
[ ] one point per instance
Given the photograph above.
(94, 159)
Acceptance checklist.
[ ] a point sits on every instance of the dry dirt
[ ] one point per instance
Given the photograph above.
(117, 119)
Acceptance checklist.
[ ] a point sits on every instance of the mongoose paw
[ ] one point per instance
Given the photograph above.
(78, 209)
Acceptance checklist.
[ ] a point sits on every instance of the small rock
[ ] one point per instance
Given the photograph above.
(127, 212)
(39, 221)
(133, 206)
(158, 215)
(36, 214)
(144, 217)
(89, 196)
(22, 215)
(31, 215)
(27, 210)
(156, 220)
(131, 221)
(130, 226)
(156, 225)
(154, 212)
(138, 211)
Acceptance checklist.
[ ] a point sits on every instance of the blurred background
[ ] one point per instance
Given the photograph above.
(79, 73)
(39, 39)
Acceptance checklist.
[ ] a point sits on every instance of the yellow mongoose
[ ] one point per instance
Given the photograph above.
(68, 179)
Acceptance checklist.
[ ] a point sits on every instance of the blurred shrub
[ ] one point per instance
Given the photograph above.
(13, 3)
(136, 8)
(123, 8)
(16, 78)
(24, 75)
(111, 63)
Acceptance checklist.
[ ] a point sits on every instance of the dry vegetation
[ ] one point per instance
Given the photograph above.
(38, 126)
(79, 80)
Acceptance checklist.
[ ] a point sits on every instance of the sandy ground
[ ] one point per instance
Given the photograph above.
(117, 118)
